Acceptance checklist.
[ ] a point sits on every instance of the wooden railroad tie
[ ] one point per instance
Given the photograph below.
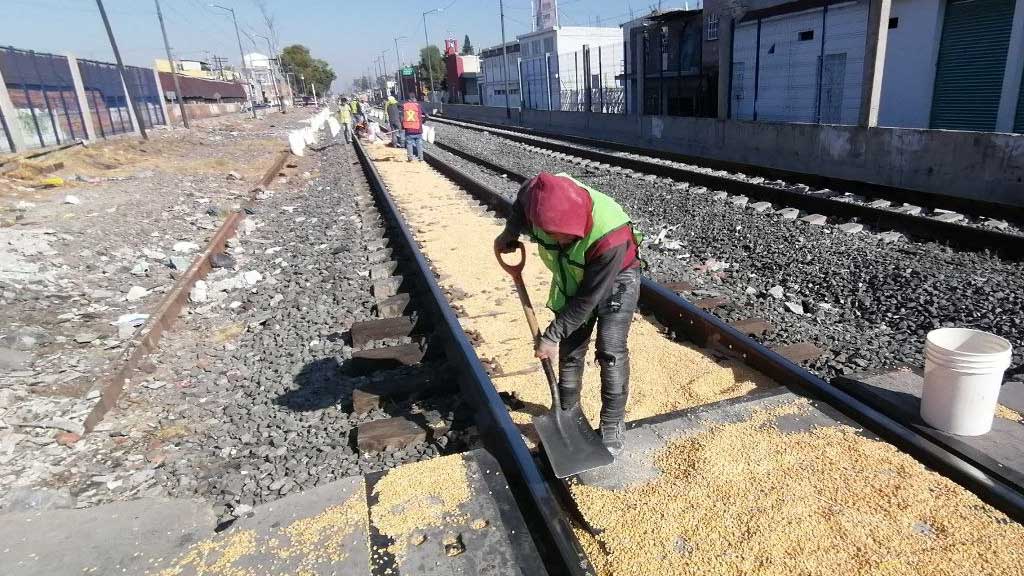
(386, 288)
(398, 433)
(396, 305)
(397, 387)
(798, 353)
(365, 332)
(752, 326)
(374, 359)
(711, 303)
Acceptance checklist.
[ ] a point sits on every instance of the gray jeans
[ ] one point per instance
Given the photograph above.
(613, 318)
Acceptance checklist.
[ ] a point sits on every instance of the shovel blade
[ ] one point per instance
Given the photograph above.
(570, 442)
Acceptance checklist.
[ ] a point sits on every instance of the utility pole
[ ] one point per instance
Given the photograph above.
(430, 65)
(398, 68)
(174, 70)
(273, 74)
(120, 69)
(384, 59)
(252, 102)
(504, 56)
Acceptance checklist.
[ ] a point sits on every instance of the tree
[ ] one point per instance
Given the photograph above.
(467, 47)
(297, 60)
(432, 55)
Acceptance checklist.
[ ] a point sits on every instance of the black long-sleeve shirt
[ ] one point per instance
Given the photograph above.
(599, 275)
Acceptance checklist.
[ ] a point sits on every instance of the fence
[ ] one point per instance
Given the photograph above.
(50, 99)
(590, 78)
(107, 100)
(42, 92)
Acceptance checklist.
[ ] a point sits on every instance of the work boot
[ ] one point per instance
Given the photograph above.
(613, 436)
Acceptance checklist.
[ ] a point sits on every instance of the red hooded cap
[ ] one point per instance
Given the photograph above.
(557, 204)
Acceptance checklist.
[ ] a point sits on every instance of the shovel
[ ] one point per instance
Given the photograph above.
(571, 444)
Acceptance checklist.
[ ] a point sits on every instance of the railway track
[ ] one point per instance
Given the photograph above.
(445, 330)
(982, 226)
(433, 212)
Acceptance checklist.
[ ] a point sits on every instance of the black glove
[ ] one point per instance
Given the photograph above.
(506, 242)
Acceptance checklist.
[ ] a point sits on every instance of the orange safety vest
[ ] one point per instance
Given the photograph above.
(411, 119)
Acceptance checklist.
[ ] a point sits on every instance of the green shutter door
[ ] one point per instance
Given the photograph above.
(972, 59)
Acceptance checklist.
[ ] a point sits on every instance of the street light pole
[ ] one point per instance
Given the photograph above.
(252, 102)
(120, 68)
(174, 71)
(430, 65)
(273, 75)
(504, 56)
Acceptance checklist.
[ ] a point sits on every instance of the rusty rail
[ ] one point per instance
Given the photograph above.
(166, 313)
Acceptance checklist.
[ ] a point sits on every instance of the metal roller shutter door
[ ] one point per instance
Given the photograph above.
(972, 59)
(1018, 124)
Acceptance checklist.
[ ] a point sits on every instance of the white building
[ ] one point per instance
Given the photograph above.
(551, 65)
(781, 51)
(950, 64)
(493, 83)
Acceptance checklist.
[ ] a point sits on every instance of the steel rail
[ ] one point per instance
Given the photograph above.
(706, 329)
(550, 527)
(1010, 246)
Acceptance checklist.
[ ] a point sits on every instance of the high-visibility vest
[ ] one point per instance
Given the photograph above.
(566, 264)
(344, 114)
(411, 118)
(354, 106)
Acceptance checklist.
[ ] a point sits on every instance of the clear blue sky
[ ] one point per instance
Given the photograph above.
(349, 34)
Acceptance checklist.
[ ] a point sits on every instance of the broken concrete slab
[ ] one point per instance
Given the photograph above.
(761, 206)
(118, 538)
(851, 227)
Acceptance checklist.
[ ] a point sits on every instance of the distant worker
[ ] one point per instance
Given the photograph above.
(412, 123)
(587, 241)
(345, 117)
(394, 113)
(356, 109)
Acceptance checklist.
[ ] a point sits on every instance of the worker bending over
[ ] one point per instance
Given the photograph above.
(588, 243)
(412, 123)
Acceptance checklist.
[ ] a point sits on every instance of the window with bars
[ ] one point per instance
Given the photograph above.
(713, 20)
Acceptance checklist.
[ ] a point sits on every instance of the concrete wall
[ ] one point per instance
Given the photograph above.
(981, 165)
(197, 111)
(913, 47)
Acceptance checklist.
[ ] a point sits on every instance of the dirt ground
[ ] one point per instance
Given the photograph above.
(84, 259)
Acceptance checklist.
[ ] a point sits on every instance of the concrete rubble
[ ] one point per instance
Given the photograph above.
(81, 269)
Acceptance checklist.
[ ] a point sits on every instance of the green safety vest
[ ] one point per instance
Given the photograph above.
(566, 264)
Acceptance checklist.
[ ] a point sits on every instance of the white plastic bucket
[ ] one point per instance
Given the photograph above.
(963, 371)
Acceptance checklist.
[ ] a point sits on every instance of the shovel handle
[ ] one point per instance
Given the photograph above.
(513, 269)
(516, 271)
